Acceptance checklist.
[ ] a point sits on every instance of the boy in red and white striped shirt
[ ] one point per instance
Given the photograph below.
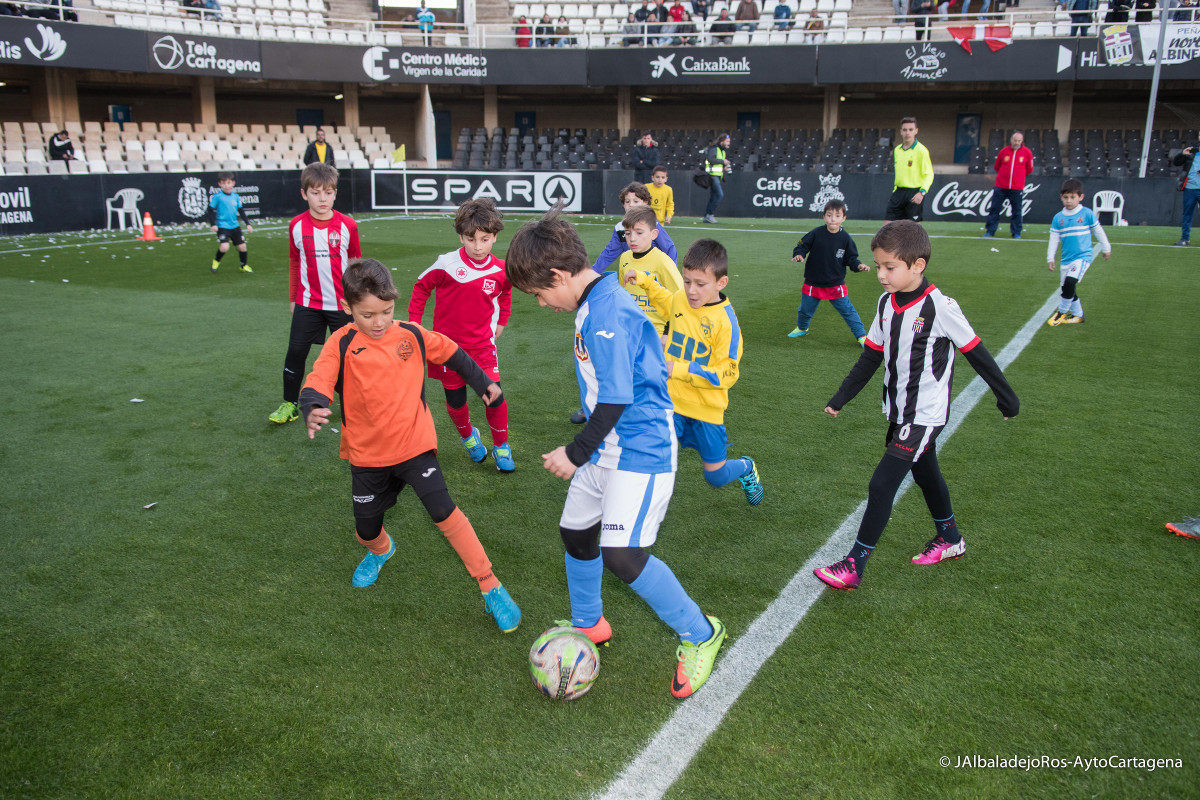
(474, 299)
(321, 244)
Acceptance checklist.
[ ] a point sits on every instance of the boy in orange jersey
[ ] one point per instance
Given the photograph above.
(377, 365)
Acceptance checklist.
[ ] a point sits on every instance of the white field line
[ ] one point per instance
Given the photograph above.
(668, 754)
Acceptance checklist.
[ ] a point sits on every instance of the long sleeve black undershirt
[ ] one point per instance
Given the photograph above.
(602, 420)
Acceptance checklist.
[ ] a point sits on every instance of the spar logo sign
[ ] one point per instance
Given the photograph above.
(170, 54)
(953, 201)
(445, 191)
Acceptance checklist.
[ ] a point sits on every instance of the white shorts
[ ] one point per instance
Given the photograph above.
(629, 506)
(1075, 269)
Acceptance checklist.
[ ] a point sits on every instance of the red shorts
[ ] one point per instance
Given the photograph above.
(486, 359)
(825, 292)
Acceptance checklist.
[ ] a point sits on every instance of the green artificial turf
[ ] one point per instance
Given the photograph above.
(212, 646)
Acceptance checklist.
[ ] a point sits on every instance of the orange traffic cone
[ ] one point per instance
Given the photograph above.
(148, 234)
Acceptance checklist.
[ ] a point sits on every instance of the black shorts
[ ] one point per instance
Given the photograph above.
(908, 441)
(231, 235)
(375, 489)
(309, 324)
(901, 206)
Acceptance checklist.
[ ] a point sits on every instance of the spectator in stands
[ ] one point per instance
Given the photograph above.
(212, 10)
(524, 32)
(659, 14)
(408, 22)
(425, 20)
(1081, 15)
(677, 11)
(51, 9)
(716, 165)
(783, 15)
(1190, 186)
(685, 31)
(1013, 165)
(722, 30)
(9, 10)
(1118, 11)
(747, 16)
(60, 147)
(1185, 11)
(544, 32)
(701, 8)
(1145, 10)
(921, 10)
(899, 10)
(644, 14)
(633, 31)
(944, 9)
(192, 7)
(563, 32)
(645, 157)
(319, 150)
(814, 28)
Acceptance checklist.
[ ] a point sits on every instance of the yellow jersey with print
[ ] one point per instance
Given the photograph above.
(662, 200)
(704, 346)
(664, 272)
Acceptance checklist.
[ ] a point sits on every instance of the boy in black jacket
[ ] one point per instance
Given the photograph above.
(826, 253)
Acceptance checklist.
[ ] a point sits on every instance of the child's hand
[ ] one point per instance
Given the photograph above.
(492, 394)
(557, 462)
(631, 276)
(249, 229)
(499, 330)
(831, 411)
(214, 228)
(1050, 266)
(798, 259)
(1108, 255)
(668, 222)
(863, 268)
(316, 418)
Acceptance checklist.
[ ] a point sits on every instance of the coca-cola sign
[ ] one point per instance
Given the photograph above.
(950, 200)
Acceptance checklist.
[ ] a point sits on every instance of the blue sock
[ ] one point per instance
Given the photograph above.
(661, 590)
(583, 585)
(734, 468)
(948, 530)
(1077, 307)
(1064, 305)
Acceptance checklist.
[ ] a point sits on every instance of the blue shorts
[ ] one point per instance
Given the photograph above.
(706, 437)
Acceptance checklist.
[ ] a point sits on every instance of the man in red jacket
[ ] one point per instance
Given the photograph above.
(1013, 163)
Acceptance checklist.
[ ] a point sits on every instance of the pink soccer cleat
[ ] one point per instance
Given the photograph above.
(841, 575)
(939, 549)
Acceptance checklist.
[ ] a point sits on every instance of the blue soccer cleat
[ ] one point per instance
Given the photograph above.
(367, 571)
(797, 333)
(475, 448)
(502, 455)
(751, 484)
(502, 608)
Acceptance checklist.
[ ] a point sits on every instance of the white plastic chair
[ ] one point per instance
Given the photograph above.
(128, 200)
(1109, 201)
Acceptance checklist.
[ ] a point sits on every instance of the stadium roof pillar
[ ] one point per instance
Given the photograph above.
(204, 102)
(624, 112)
(491, 116)
(1064, 99)
(54, 96)
(833, 97)
(350, 105)
(425, 138)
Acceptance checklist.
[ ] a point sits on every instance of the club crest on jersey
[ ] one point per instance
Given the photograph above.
(404, 350)
(580, 348)
(918, 324)
(335, 240)
(489, 286)
(460, 273)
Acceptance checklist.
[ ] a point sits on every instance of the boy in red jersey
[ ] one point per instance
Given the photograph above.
(321, 243)
(473, 304)
(377, 366)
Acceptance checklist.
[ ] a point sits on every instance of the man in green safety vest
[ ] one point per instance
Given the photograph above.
(716, 166)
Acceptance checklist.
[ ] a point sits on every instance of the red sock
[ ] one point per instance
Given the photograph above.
(497, 419)
(461, 417)
(379, 545)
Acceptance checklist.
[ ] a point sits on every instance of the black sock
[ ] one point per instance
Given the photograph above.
(860, 553)
(220, 254)
(948, 530)
(243, 255)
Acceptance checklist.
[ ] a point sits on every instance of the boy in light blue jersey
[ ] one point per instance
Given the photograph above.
(1073, 226)
(224, 210)
(622, 464)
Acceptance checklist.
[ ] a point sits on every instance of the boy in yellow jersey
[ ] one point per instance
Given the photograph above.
(662, 197)
(641, 229)
(704, 345)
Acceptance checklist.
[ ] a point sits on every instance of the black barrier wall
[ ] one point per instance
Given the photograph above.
(47, 204)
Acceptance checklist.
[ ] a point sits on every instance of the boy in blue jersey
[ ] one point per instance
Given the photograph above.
(704, 346)
(224, 209)
(1073, 226)
(634, 195)
(622, 464)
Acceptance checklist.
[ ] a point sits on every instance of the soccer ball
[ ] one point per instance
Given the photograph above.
(564, 663)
